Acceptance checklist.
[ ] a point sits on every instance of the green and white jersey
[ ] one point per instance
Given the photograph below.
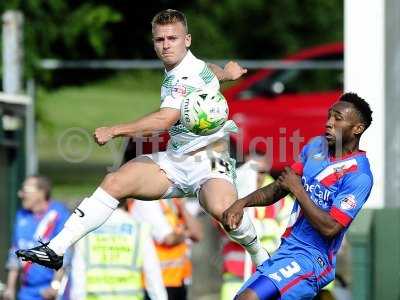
(191, 74)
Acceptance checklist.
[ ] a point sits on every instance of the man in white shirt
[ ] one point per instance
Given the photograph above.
(192, 164)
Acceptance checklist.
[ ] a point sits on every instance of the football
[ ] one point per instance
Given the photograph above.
(204, 111)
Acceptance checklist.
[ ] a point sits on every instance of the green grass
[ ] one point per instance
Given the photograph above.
(68, 117)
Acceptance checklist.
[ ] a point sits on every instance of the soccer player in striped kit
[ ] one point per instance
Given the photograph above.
(331, 182)
(192, 165)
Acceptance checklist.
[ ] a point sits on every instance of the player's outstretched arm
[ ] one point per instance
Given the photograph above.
(158, 121)
(319, 219)
(264, 196)
(231, 71)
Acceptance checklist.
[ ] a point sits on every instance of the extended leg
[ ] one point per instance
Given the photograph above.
(140, 178)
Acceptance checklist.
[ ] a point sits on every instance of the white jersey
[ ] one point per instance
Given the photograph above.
(189, 75)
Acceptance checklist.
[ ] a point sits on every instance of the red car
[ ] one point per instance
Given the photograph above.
(277, 111)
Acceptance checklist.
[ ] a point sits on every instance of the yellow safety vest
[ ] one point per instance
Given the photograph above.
(175, 263)
(114, 261)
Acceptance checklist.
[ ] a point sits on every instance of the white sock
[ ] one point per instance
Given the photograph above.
(91, 213)
(246, 235)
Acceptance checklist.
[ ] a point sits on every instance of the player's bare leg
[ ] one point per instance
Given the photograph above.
(216, 195)
(140, 178)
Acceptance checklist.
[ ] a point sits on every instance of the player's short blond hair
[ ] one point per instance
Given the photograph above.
(169, 16)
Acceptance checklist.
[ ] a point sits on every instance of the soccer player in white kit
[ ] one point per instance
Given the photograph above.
(191, 165)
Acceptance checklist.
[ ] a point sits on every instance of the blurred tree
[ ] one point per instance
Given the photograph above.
(231, 28)
(263, 29)
(64, 29)
(227, 28)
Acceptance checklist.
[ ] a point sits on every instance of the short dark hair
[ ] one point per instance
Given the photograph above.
(362, 107)
(43, 183)
(169, 16)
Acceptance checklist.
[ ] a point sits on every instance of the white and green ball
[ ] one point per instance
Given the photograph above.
(204, 111)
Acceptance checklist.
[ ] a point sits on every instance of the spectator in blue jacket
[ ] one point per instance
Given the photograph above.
(39, 220)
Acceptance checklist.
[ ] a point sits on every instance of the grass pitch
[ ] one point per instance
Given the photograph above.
(68, 117)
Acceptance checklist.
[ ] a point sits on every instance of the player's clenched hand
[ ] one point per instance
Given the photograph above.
(289, 180)
(232, 217)
(102, 135)
(233, 70)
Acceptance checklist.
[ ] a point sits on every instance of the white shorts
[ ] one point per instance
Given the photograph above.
(189, 172)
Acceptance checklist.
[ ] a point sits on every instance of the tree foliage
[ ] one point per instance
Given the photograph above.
(120, 29)
(264, 29)
(64, 29)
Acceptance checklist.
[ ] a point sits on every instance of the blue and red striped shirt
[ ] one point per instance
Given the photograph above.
(339, 186)
(28, 229)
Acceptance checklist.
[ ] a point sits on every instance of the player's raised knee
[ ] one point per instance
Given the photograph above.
(112, 184)
(220, 206)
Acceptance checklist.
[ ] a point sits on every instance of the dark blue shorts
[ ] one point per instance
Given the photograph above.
(294, 275)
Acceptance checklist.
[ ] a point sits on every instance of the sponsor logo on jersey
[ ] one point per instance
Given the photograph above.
(349, 202)
(318, 193)
(178, 90)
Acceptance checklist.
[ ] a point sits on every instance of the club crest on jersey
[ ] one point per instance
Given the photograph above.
(339, 171)
(349, 202)
(178, 90)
